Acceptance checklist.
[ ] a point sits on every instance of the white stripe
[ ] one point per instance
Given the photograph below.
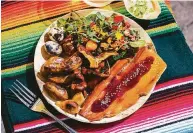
(153, 119)
(154, 123)
(164, 88)
(174, 128)
(38, 125)
(142, 121)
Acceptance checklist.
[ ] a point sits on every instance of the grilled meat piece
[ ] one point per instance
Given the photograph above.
(56, 91)
(58, 65)
(79, 83)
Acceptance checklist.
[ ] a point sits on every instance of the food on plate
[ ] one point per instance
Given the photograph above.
(79, 98)
(124, 86)
(59, 65)
(89, 57)
(79, 83)
(69, 106)
(62, 79)
(54, 65)
(53, 48)
(56, 34)
(56, 91)
(68, 46)
(95, 61)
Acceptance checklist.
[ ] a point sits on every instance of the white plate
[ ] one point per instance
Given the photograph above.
(39, 61)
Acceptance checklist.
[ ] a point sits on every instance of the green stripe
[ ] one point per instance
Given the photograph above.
(19, 47)
(28, 49)
(4, 59)
(15, 61)
(20, 42)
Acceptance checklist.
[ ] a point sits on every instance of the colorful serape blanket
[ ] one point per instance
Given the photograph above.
(169, 109)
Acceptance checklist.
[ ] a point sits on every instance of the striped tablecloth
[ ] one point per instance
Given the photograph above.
(169, 109)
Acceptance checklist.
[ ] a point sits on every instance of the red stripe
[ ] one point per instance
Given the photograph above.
(159, 86)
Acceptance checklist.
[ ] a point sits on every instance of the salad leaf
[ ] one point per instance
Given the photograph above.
(100, 16)
(92, 36)
(69, 27)
(91, 17)
(139, 43)
(61, 22)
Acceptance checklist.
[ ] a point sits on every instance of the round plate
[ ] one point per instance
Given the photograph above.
(98, 3)
(39, 61)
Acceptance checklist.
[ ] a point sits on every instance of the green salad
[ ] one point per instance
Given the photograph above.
(96, 37)
(140, 8)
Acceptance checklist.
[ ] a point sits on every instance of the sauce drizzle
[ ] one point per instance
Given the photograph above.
(118, 87)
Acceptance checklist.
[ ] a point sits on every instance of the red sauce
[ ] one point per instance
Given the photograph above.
(118, 87)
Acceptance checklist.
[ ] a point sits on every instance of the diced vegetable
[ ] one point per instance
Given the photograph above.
(91, 46)
(118, 35)
(118, 19)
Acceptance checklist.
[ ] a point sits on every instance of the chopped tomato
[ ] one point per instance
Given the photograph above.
(118, 19)
(91, 24)
(114, 27)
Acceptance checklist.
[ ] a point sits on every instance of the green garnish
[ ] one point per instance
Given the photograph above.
(119, 56)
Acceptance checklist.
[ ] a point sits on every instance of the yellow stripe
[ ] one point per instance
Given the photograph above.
(16, 68)
(22, 32)
(161, 28)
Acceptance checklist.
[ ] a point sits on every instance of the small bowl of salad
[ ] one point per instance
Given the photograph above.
(143, 9)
